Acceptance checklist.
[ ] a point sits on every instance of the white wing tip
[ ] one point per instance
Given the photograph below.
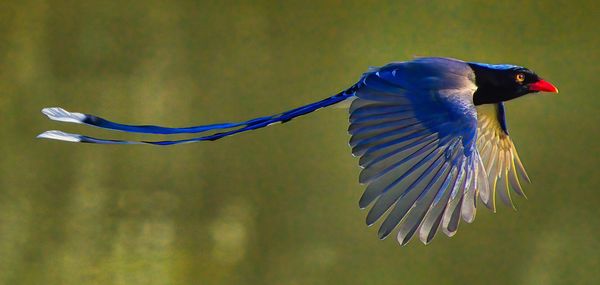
(448, 232)
(58, 135)
(60, 114)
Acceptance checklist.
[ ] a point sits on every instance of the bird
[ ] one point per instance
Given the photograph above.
(430, 135)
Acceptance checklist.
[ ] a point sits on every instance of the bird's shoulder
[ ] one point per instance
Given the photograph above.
(439, 91)
(431, 73)
(435, 84)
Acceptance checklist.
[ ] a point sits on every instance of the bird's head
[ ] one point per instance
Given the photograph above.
(498, 83)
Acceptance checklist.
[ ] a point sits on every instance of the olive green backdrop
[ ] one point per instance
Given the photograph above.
(279, 205)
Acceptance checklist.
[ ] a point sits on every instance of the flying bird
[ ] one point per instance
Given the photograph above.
(430, 133)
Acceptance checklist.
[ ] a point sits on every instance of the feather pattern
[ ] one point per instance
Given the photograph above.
(414, 127)
(499, 156)
(227, 129)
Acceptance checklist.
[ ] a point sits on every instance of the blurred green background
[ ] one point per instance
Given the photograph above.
(276, 206)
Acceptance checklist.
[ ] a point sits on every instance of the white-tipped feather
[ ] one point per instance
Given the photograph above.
(499, 157)
(60, 114)
(61, 136)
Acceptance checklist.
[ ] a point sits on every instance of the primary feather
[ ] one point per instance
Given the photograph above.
(499, 155)
(412, 163)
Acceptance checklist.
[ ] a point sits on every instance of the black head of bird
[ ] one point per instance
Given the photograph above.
(499, 83)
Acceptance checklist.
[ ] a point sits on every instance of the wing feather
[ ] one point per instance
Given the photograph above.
(499, 155)
(414, 127)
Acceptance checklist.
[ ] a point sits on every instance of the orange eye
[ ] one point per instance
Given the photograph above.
(520, 77)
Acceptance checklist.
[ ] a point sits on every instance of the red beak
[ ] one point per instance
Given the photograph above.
(543, 85)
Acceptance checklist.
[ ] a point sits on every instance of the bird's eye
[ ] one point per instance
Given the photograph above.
(520, 77)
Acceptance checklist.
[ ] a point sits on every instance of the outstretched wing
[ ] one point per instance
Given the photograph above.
(499, 155)
(414, 126)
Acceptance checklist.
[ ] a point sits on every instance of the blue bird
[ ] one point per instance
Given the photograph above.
(431, 135)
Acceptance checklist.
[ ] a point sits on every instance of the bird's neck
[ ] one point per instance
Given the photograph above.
(492, 95)
(490, 88)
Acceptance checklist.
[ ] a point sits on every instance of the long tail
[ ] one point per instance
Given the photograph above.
(59, 114)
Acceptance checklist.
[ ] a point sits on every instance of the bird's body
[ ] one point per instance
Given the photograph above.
(431, 135)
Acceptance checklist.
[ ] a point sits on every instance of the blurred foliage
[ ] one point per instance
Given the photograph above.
(277, 206)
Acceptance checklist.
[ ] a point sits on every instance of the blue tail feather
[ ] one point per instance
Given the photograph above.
(59, 114)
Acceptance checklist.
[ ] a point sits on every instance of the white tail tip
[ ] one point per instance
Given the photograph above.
(61, 136)
(60, 114)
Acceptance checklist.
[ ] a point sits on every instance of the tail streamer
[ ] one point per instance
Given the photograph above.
(62, 115)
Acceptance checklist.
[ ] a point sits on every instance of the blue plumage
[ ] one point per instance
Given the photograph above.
(502, 118)
(239, 127)
(409, 160)
(431, 135)
(496, 66)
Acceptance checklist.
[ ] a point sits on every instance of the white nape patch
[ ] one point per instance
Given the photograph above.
(60, 114)
(58, 135)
